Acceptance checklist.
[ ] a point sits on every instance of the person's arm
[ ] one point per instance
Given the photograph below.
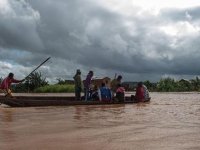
(17, 81)
(99, 93)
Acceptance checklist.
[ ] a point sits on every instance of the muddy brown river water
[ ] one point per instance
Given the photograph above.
(171, 121)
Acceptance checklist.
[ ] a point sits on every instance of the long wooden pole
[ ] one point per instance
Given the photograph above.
(38, 67)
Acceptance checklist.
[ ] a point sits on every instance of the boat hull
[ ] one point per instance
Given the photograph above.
(55, 101)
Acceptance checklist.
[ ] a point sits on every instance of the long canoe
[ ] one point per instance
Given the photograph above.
(26, 101)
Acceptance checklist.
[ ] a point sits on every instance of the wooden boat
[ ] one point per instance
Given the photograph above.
(35, 101)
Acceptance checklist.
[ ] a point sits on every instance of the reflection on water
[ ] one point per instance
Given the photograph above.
(7, 116)
(170, 121)
(6, 119)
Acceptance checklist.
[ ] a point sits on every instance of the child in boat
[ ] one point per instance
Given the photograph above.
(95, 94)
(120, 93)
(104, 93)
(115, 83)
(6, 84)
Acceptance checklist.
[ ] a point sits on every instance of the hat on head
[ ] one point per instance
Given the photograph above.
(78, 71)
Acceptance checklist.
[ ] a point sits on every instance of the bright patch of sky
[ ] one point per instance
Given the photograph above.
(127, 5)
(180, 29)
(142, 8)
(4, 6)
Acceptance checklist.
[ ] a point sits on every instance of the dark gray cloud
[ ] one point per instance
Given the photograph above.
(18, 27)
(83, 34)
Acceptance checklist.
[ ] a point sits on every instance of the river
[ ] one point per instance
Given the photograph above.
(171, 121)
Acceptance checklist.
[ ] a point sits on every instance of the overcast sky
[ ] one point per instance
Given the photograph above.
(139, 39)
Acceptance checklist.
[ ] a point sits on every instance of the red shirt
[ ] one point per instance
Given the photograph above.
(5, 84)
(120, 90)
(139, 93)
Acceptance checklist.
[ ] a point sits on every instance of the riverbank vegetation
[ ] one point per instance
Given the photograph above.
(37, 83)
(56, 88)
(171, 85)
(34, 81)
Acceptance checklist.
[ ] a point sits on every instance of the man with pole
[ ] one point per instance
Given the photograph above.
(6, 84)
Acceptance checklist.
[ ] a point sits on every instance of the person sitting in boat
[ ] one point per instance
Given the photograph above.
(120, 93)
(104, 93)
(146, 93)
(115, 83)
(139, 95)
(6, 84)
(87, 85)
(95, 94)
(142, 93)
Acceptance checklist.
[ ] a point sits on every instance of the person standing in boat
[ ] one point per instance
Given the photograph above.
(78, 84)
(6, 84)
(114, 84)
(87, 85)
(105, 93)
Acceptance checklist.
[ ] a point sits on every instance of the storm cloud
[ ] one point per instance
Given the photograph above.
(87, 35)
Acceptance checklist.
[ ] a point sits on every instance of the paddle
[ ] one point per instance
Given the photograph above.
(37, 67)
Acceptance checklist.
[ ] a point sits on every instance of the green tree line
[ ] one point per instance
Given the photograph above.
(34, 81)
(172, 85)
